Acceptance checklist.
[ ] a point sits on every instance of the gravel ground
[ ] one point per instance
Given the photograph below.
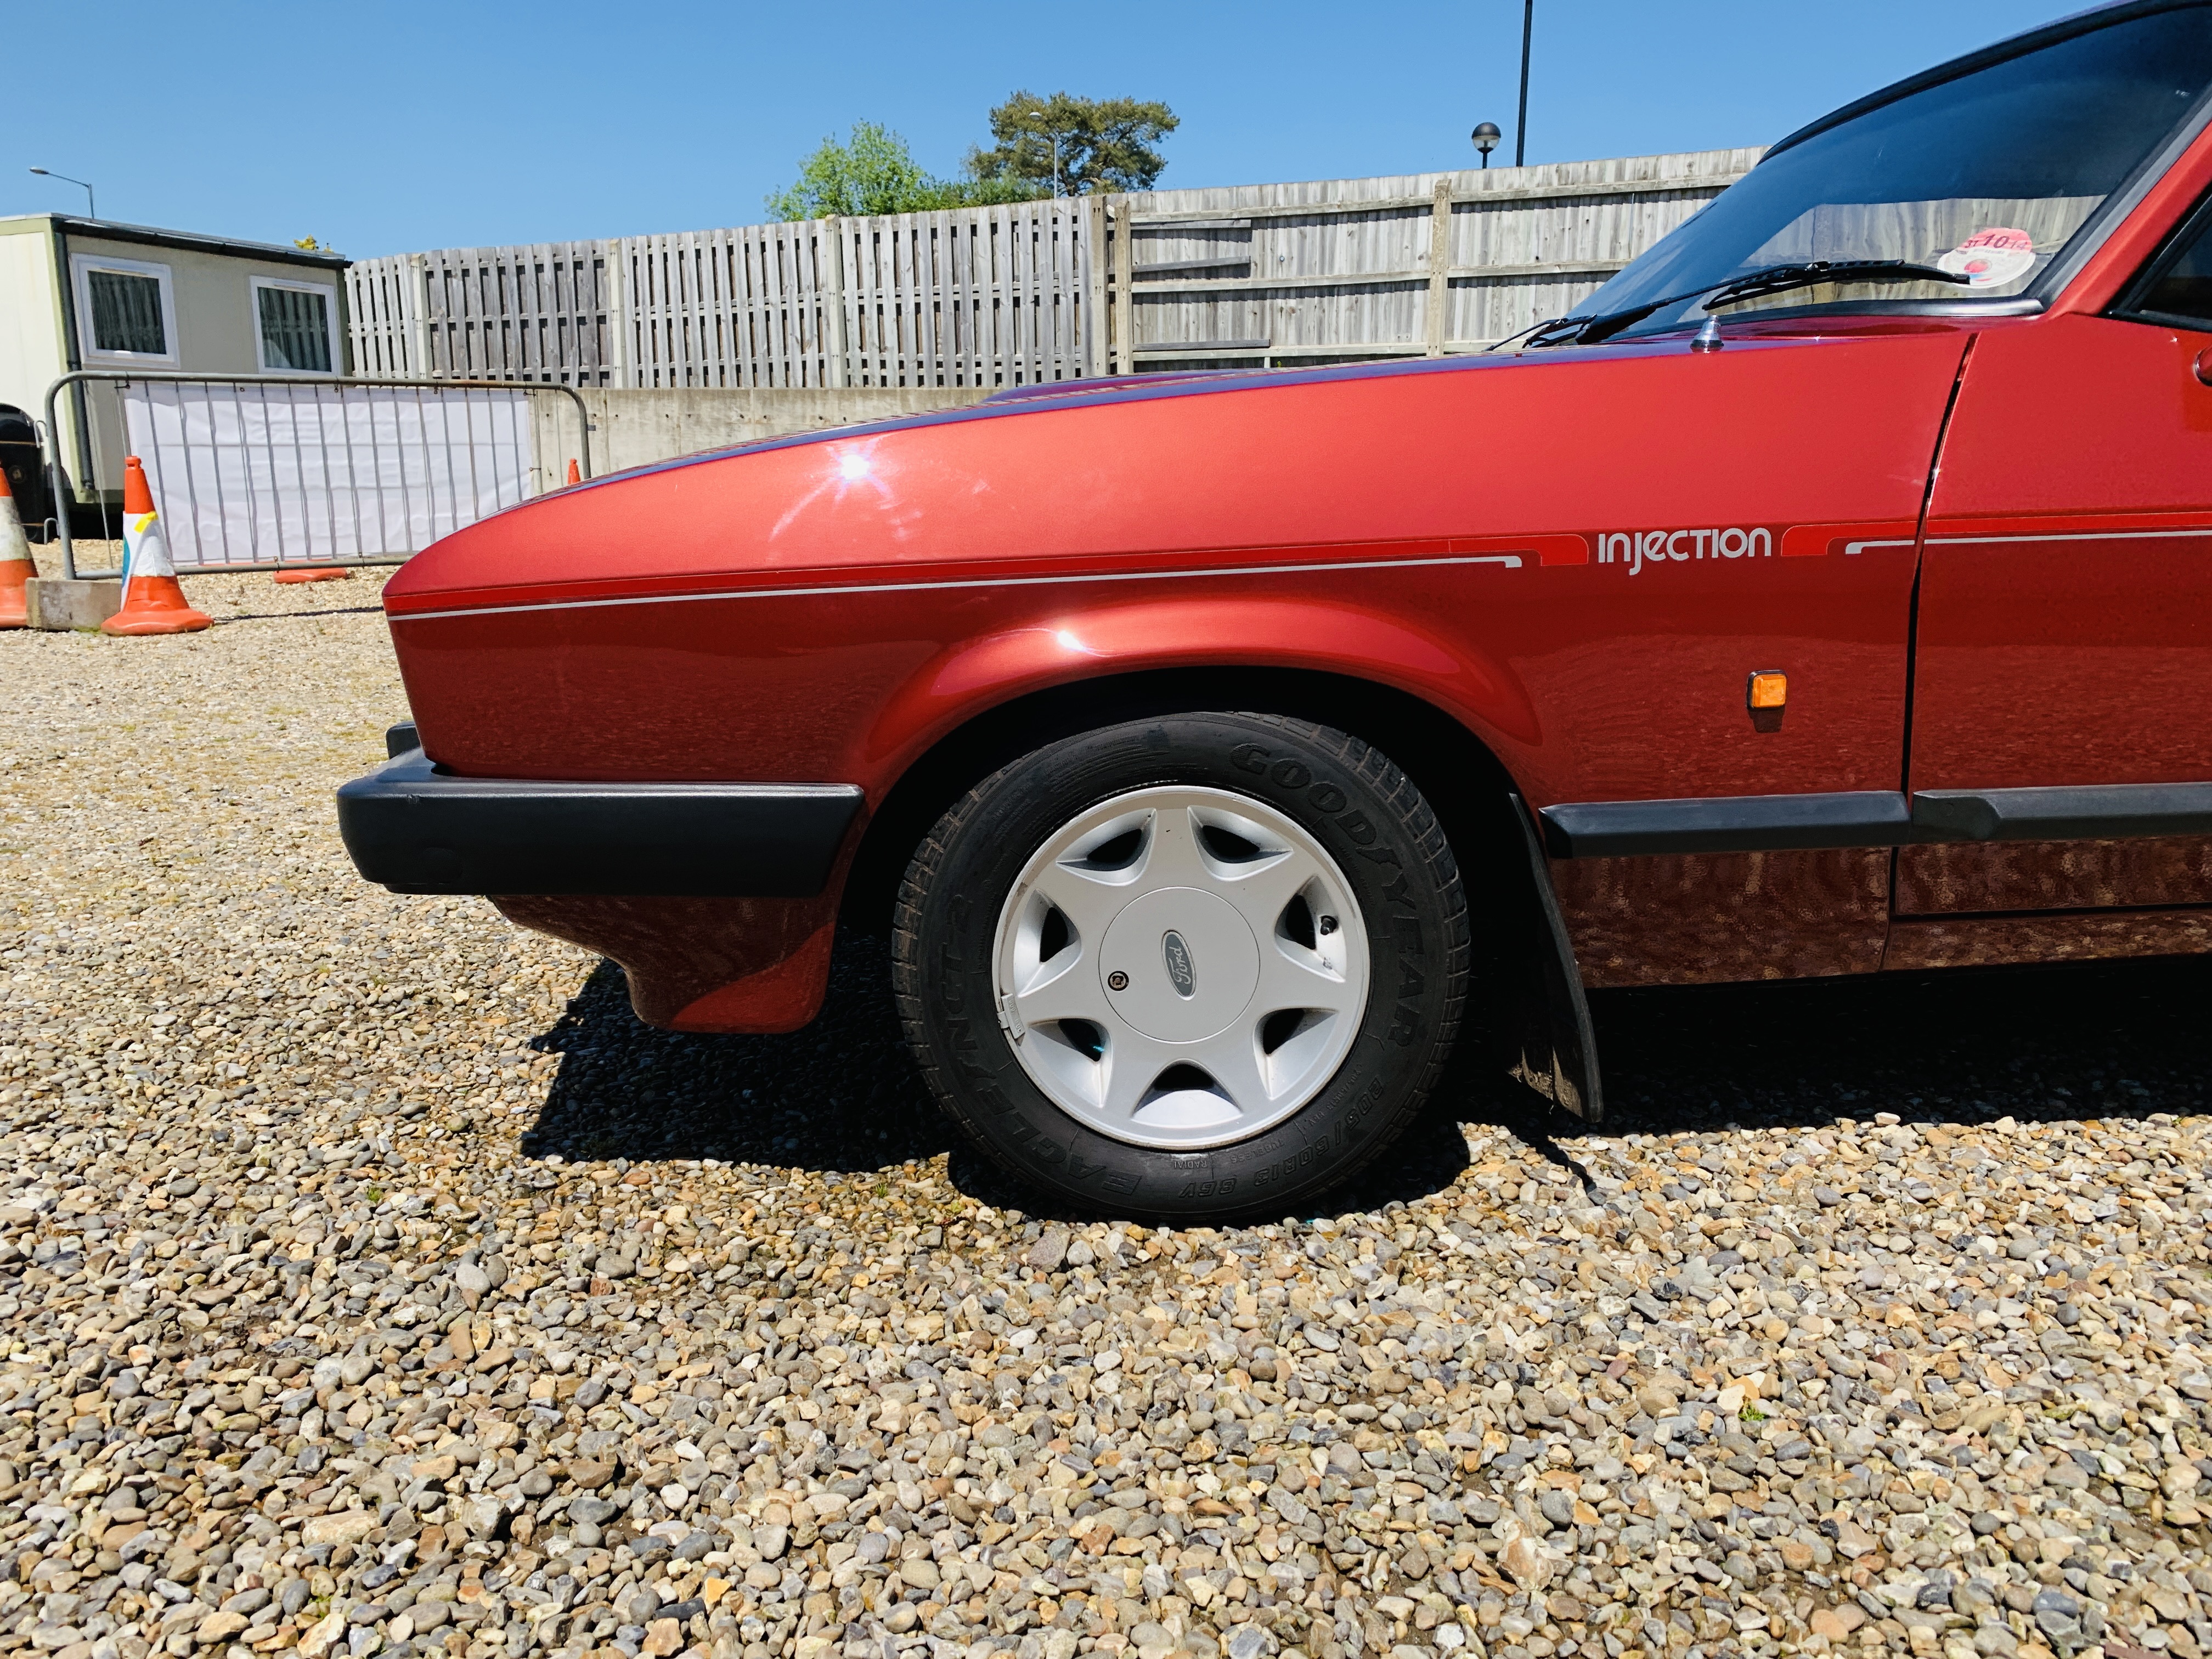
(371, 1282)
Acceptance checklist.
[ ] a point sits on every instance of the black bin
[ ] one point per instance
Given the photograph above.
(27, 471)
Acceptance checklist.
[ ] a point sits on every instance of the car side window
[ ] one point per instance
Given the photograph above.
(2176, 287)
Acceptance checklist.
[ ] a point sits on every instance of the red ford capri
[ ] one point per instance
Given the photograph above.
(1831, 593)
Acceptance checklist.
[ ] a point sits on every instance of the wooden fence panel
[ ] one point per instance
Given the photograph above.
(729, 308)
(1336, 269)
(382, 316)
(534, 313)
(970, 296)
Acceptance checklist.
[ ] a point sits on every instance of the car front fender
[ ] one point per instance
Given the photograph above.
(971, 676)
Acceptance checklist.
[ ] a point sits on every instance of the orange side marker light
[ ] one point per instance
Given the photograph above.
(1768, 690)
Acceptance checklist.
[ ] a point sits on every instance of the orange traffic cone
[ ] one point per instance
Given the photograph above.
(575, 473)
(16, 567)
(322, 573)
(152, 603)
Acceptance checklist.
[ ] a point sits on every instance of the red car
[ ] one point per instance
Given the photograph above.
(1831, 594)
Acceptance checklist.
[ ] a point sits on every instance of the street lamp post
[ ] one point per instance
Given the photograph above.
(90, 211)
(1520, 126)
(1486, 138)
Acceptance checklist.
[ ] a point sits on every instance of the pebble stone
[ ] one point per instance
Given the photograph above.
(373, 1282)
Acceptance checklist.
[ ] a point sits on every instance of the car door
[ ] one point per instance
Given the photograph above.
(2061, 727)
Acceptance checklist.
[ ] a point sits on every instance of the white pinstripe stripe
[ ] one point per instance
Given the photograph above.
(1510, 560)
(2069, 536)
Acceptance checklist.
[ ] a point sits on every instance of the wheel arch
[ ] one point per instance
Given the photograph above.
(1463, 780)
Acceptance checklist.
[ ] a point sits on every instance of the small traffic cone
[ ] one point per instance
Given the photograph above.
(319, 573)
(16, 567)
(575, 472)
(152, 603)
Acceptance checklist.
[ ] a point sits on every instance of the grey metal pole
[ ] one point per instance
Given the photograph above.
(57, 483)
(1520, 126)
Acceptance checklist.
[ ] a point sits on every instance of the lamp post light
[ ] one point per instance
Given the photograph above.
(1486, 138)
(1520, 126)
(90, 211)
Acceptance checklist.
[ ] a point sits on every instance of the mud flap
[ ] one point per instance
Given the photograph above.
(1558, 1045)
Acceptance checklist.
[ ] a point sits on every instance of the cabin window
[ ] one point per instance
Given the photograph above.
(126, 311)
(294, 323)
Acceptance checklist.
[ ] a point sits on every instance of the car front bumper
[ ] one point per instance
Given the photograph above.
(415, 828)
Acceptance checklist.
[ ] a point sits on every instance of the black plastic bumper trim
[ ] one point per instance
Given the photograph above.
(416, 829)
(1726, 823)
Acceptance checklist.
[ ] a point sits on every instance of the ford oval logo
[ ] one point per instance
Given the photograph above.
(1180, 969)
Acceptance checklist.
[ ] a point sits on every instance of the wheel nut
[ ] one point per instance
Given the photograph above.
(1327, 925)
(1117, 980)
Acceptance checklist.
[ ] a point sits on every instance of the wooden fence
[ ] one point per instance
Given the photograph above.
(1414, 266)
(990, 296)
(545, 312)
(1331, 271)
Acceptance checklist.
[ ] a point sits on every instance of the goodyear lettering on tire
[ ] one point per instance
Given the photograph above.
(1330, 799)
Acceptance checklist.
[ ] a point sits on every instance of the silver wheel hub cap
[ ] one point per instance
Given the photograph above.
(1181, 969)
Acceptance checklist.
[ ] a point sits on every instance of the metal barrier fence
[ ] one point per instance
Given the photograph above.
(271, 472)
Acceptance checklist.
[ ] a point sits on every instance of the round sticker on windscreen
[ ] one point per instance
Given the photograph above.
(1991, 258)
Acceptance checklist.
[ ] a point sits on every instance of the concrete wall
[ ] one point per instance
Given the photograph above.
(635, 427)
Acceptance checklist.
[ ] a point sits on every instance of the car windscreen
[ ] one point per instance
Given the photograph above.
(1987, 175)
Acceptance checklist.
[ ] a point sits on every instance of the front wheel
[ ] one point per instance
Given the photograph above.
(1195, 967)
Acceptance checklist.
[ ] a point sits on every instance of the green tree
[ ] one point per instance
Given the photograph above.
(1064, 145)
(876, 172)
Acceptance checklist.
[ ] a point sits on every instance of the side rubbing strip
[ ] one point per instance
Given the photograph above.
(1774, 823)
(1726, 823)
(2107, 812)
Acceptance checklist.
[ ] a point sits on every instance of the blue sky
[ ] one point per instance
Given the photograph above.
(382, 128)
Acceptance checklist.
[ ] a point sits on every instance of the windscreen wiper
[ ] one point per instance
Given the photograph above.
(1752, 284)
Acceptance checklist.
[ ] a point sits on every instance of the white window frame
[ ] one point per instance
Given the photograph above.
(329, 293)
(81, 266)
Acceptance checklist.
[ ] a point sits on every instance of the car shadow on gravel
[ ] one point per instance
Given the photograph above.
(2116, 1039)
(2038, 1044)
(298, 616)
(841, 1097)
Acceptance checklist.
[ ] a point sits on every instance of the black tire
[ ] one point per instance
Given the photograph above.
(1390, 849)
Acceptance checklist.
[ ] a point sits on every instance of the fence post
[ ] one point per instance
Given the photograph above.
(833, 306)
(620, 323)
(418, 306)
(1094, 295)
(1439, 265)
(1124, 298)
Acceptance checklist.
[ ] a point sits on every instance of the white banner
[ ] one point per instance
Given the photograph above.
(245, 474)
